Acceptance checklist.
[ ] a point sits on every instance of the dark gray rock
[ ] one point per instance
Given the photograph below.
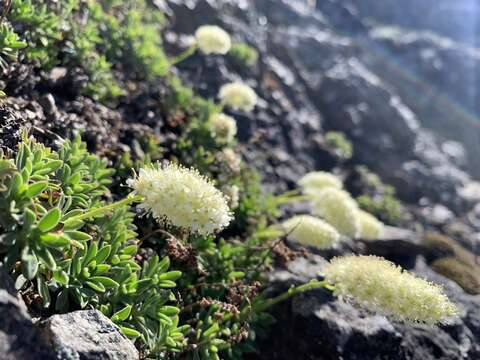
(314, 75)
(20, 339)
(87, 335)
(401, 246)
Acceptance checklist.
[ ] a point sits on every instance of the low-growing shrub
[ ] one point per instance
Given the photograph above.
(10, 43)
(73, 262)
(341, 145)
(243, 54)
(378, 198)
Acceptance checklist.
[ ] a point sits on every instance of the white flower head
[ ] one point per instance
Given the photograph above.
(231, 159)
(310, 231)
(183, 198)
(380, 286)
(315, 181)
(339, 209)
(233, 195)
(223, 127)
(239, 96)
(370, 227)
(212, 39)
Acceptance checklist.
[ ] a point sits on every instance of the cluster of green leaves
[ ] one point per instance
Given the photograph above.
(380, 199)
(10, 43)
(339, 142)
(131, 35)
(94, 36)
(243, 54)
(73, 261)
(43, 26)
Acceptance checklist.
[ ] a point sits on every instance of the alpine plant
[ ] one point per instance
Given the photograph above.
(382, 287)
(183, 198)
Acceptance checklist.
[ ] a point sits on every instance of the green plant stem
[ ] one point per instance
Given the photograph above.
(312, 284)
(270, 232)
(107, 208)
(268, 303)
(290, 196)
(184, 55)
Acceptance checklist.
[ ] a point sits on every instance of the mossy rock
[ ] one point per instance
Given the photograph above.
(440, 246)
(467, 276)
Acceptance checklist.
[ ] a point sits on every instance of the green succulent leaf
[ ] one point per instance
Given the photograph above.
(55, 240)
(43, 291)
(29, 266)
(103, 254)
(78, 235)
(122, 314)
(129, 332)
(61, 277)
(97, 286)
(35, 189)
(50, 220)
(46, 257)
(107, 282)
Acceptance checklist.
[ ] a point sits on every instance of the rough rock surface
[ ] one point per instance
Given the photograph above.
(20, 339)
(317, 73)
(87, 335)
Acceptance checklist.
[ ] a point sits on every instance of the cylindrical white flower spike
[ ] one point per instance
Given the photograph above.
(310, 231)
(239, 96)
(370, 227)
(315, 181)
(212, 39)
(223, 127)
(380, 286)
(338, 209)
(183, 198)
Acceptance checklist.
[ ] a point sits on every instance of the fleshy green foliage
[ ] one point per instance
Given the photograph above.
(43, 26)
(386, 207)
(75, 263)
(243, 54)
(221, 298)
(338, 141)
(256, 208)
(130, 33)
(91, 35)
(10, 43)
(379, 199)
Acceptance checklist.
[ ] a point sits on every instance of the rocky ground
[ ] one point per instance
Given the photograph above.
(322, 71)
(329, 69)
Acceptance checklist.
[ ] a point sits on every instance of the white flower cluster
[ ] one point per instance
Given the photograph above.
(383, 287)
(183, 198)
(223, 127)
(370, 227)
(315, 181)
(212, 39)
(339, 209)
(233, 195)
(238, 95)
(310, 231)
